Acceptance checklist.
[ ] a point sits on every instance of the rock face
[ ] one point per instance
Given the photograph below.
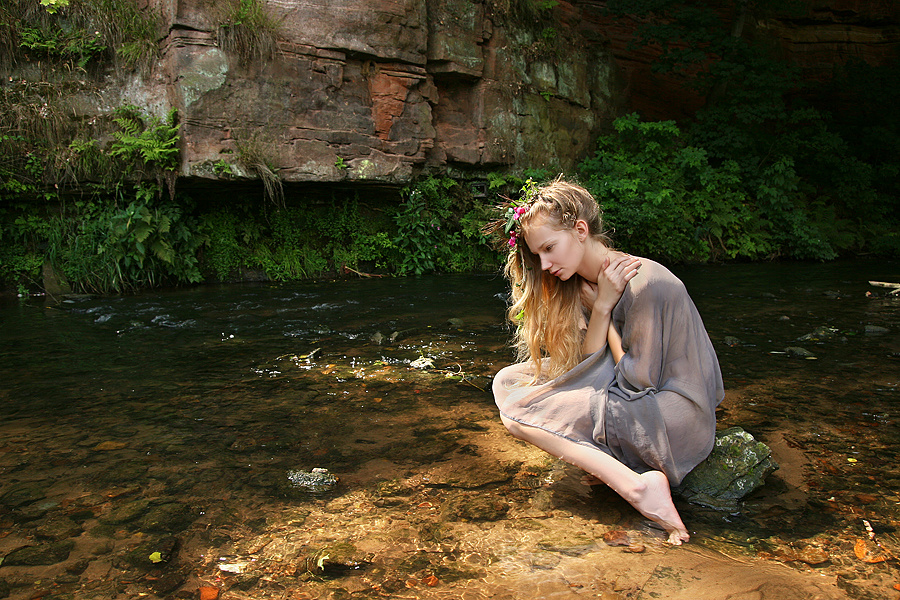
(737, 465)
(362, 90)
(815, 35)
(377, 91)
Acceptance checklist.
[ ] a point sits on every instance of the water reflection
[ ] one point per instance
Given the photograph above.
(145, 441)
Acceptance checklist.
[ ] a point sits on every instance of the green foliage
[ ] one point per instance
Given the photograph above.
(78, 45)
(53, 6)
(429, 239)
(82, 32)
(814, 187)
(154, 143)
(248, 30)
(664, 198)
(258, 155)
(423, 246)
(100, 247)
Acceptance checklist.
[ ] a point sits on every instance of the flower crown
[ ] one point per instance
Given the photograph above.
(515, 209)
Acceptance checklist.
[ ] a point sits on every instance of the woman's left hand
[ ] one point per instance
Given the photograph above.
(614, 275)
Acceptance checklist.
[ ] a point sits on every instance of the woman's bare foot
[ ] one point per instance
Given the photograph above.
(655, 503)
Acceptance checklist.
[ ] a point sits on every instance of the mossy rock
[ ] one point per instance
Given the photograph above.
(737, 466)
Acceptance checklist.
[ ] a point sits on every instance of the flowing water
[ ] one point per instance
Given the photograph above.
(145, 443)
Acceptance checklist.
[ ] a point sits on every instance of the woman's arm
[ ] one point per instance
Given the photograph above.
(615, 343)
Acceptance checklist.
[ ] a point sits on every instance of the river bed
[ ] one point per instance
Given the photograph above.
(145, 441)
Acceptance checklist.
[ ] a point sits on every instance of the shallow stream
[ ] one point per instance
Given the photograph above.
(145, 442)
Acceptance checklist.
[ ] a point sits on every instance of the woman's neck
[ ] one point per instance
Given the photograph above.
(594, 254)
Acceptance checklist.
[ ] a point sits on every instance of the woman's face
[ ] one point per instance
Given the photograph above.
(560, 251)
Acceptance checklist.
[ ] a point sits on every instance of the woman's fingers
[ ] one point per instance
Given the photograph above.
(622, 269)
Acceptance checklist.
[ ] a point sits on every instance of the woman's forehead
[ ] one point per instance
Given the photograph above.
(538, 233)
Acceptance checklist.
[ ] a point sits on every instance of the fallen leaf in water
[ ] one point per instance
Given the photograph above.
(897, 586)
(863, 552)
(209, 593)
(110, 446)
(616, 538)
(430, 581)
(634, 548)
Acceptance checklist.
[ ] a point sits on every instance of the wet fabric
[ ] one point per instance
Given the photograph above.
(655, 409)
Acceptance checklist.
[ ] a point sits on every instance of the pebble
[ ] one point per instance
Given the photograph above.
(812, 555)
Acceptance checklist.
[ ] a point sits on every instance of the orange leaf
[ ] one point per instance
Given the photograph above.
(430, 581)
(861, 549)
(209, 593)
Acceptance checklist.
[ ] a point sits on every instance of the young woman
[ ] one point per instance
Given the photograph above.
(617, 375)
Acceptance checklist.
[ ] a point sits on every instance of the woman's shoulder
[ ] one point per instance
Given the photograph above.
(655, 280)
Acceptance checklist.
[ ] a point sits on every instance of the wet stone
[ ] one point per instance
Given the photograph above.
(296, 483)
(44, 554)
(127, 513)
(475, 508)
(798, 352)
(876, 330)
(152, 554)
(4, 589)
(244, 581)
(737, 465)
(167, 583)
(171, 517)
(819, 334)
(78, 567)
(36, 511)
(568, 546)
(22, 495)
(58, 528)
(122, 473)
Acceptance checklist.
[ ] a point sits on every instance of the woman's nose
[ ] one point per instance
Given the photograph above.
(545, 263)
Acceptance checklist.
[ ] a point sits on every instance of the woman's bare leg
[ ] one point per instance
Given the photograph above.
(647, 492)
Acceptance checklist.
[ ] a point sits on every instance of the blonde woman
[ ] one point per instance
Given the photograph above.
(617, 375)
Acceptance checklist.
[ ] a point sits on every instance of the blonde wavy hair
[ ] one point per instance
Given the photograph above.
(546, 311)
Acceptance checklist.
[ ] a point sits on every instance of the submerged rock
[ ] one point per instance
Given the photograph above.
(316, 481)
(798, 352)
(820, 334)
(45, 554)
(737, 465)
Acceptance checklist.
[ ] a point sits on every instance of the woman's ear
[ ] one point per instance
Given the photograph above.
(582, 231)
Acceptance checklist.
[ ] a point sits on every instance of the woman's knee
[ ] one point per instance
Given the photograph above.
(515, 428)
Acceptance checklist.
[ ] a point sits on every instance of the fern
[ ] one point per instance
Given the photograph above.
(154, 144)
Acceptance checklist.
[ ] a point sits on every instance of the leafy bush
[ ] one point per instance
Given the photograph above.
(665, 198)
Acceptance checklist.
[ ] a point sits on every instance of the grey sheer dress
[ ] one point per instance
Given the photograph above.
(655, 409)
